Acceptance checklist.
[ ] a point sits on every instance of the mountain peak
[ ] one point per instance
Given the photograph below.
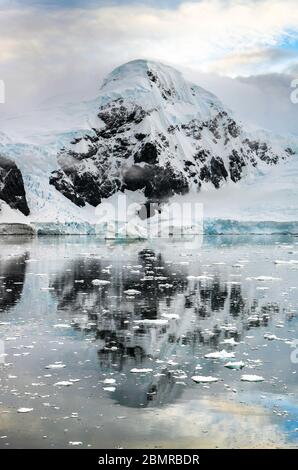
(160, 134)
(142, 68)
(156, 85)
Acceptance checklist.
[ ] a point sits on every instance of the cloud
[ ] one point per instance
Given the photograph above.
(260, 100)
(256, 61)
(46, 51)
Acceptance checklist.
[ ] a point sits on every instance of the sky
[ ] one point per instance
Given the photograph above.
(51, 48)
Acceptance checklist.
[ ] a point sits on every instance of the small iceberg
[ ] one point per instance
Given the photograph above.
(62, 325)
(109, 381)
(171, 316)
(132, 292)
(100, 282)
(252, 378)
(152, 322)
(200, 278)
(63, 383)
(220, 355)
(230, 341)
(204, 379)
(25, 410)
(270, 336)
(291, 261)
(235, 365)
(55, 366)
(140, 371)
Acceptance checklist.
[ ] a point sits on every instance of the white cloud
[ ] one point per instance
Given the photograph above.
(43, 52)
(261, 100)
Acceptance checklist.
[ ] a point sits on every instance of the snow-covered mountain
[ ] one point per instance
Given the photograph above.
(157, 133)
(151, 133)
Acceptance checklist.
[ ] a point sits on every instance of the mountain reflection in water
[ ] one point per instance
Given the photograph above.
(186, 313)
(125, 326)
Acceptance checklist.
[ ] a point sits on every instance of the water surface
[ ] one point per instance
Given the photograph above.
(164, 305)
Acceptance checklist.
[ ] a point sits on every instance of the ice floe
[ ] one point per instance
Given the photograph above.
(57, 365)
(220, 355)
(230, 341)
(109, 381)
(252, 378)
(148, 321)
(270, 336)
(63, 383)
(25, 410)
(75, 443)
(132, 292)
(237, 365)
(204, 378)
(100, 282)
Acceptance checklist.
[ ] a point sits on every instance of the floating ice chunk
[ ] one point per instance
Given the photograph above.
(57, 365)
(253, 318)
(140, 371)
(230, 341)
(109, 381)
(180, 375)
(237, 365)
(230, 328)
(109, 389)
(220, 355)
(100, 282)
(25, 410)
(204, 378)
(252, 378)
(171, 316)
(75, 443)
(291, 261)
(270, 337)
(200, 278)
(132, 292)
(62, 325)
(258, 362)
(63, 383)
(152, 322)
(267, 278)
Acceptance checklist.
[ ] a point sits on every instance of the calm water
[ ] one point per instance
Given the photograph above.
(69, 345)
